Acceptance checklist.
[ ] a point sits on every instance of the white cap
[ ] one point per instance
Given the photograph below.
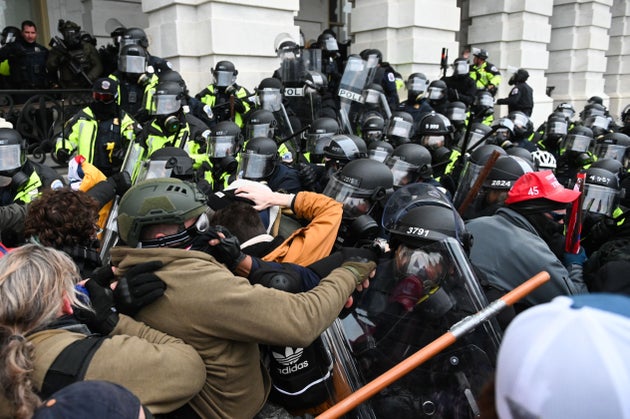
(569, 358)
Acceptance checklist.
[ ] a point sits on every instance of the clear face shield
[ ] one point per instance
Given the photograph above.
(613, 151)
(270, 99)
(399, 128)
(520, 121)
(255, 166)
(417, 85)
(223, 78)
(10, 37)
(433, 142)
(460, 68)
(154, 169)
(597, 122)
(315, 143)
(331, 44)
(456, 115)
(379, 154)
(260, 130)
(600, 199)
(576, 143)
(221, 146)
(469, 175)
(371, 97)
(165, 104)
(435, 93)
(356, 201)
(10, 157)
(403, 172)
(486, 101)
(133, 64)
(557, 128)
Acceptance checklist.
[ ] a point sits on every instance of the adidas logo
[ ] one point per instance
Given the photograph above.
(289, 357)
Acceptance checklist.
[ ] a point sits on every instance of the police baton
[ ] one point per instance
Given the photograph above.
(458, 330)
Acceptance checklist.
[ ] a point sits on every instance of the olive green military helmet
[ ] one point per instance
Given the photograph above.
(157, 201)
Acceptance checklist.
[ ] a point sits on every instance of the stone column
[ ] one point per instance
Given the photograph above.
(579, 42)
(515, 33)
(617, 78)
(195, 34)
(410, 34)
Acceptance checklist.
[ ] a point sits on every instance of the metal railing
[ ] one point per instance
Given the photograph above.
(39, 115)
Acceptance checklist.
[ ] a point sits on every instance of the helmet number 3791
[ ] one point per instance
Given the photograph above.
(417, 231)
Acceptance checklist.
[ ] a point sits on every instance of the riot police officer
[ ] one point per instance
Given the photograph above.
(521, 97)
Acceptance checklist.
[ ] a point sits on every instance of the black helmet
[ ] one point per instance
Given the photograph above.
(482, 53)
(503, 132)
(372, 126)
(372, 94)
(429, 222)
(224, 73)
(328, 42)
(484, 99)
(159, 201)
(260, 123)
(567, 109)
(477, 132)
(595, 99)
(506, 170)
(521, 152)
(167, 98)
(615, 145)
(399, 127)
(225, 140)
(521, 123)
(408, 163)
(456, 113)
(612, 165)
(578, 140)
(270, 94)
(258, 159)
(601, 191)
(12, 152)
(520, 76)
(557, 126)
(345, 147)
(319, 136)
(168, 162)
(460, 66)
(359, 186)
(416, 85)
(434, 130)
(135, 36)
(380, 150)
(372, 54)
(172, 75)
(314, 80)
(132, 59)
(593, 109)
(71, 32)
(9, 34)
(437, 90)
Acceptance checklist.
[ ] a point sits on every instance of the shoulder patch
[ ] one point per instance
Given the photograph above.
(494, 68)
(391, 77)
(514, 91)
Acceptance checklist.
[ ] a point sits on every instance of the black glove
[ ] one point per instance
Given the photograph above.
(121, 182)
(205, 187)
(307, 175)
(603, 230)
(104, 318)
(238, 105)
(227, 252)
(103, 275)
(63, 156)
(139, 287)
(230, 90)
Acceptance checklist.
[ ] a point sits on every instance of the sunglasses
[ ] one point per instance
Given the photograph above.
(557, 216)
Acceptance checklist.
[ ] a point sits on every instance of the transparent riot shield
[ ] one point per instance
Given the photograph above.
(357, 74)
(408, 197)
(312, 59)
(414, 299)
(467, 179)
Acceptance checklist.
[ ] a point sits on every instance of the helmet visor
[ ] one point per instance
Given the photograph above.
(417, 85)
(435, 93)
(370, 136)
(315, 143)
(223, 78)
(461, 67)
(433, 141)
(428, 266)
(356, 201)
(154, 169)
(331, 44)
(221, 146)
(259, 130)
(270, 99)
(134, 64)
(399, 128)
(10, 157)
(165, 104)
(600, 199)
(576, 142)
(457, 114)
(255, 166)
(485, 100)
(598, 121)
(610, 151)
(403, 172)
(371, 96)
(379, 154)
(557, 127)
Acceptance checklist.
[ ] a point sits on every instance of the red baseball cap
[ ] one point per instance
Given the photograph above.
(540, 185)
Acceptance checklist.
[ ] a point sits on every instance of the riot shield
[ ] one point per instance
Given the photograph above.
(357, 74)
(401, 313)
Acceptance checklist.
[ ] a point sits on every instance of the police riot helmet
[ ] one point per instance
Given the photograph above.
(437, 90)
(484, 99)
(327, 42)
(372, 126)
(503, 132)
(592, 109)
(505, 171)
(522, 153)
(135, 36)
(614, 145)
(224, 73)
(258, 159)
(359, 185)
(399, 127)
(380, 150)
(168, 162)
(314, 80)
(544, 160)
(319, 136)
(416, 85)
(167, 99)
(270, 94)
(12, 152)
(567, 109)
(612, 165)
(345, 147)
(172, 75)
(601, 191)
(456, 113)
(625, 116)
(460, 66)
(370, 54)
(260, 123)
(477, 132)
(372, 94)
(408, 163)
(225, 140)
(434, 130)
(557, 126)
(521, 123)
(132, 59)
(578, 140)
(9, 34)
(159, 201)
